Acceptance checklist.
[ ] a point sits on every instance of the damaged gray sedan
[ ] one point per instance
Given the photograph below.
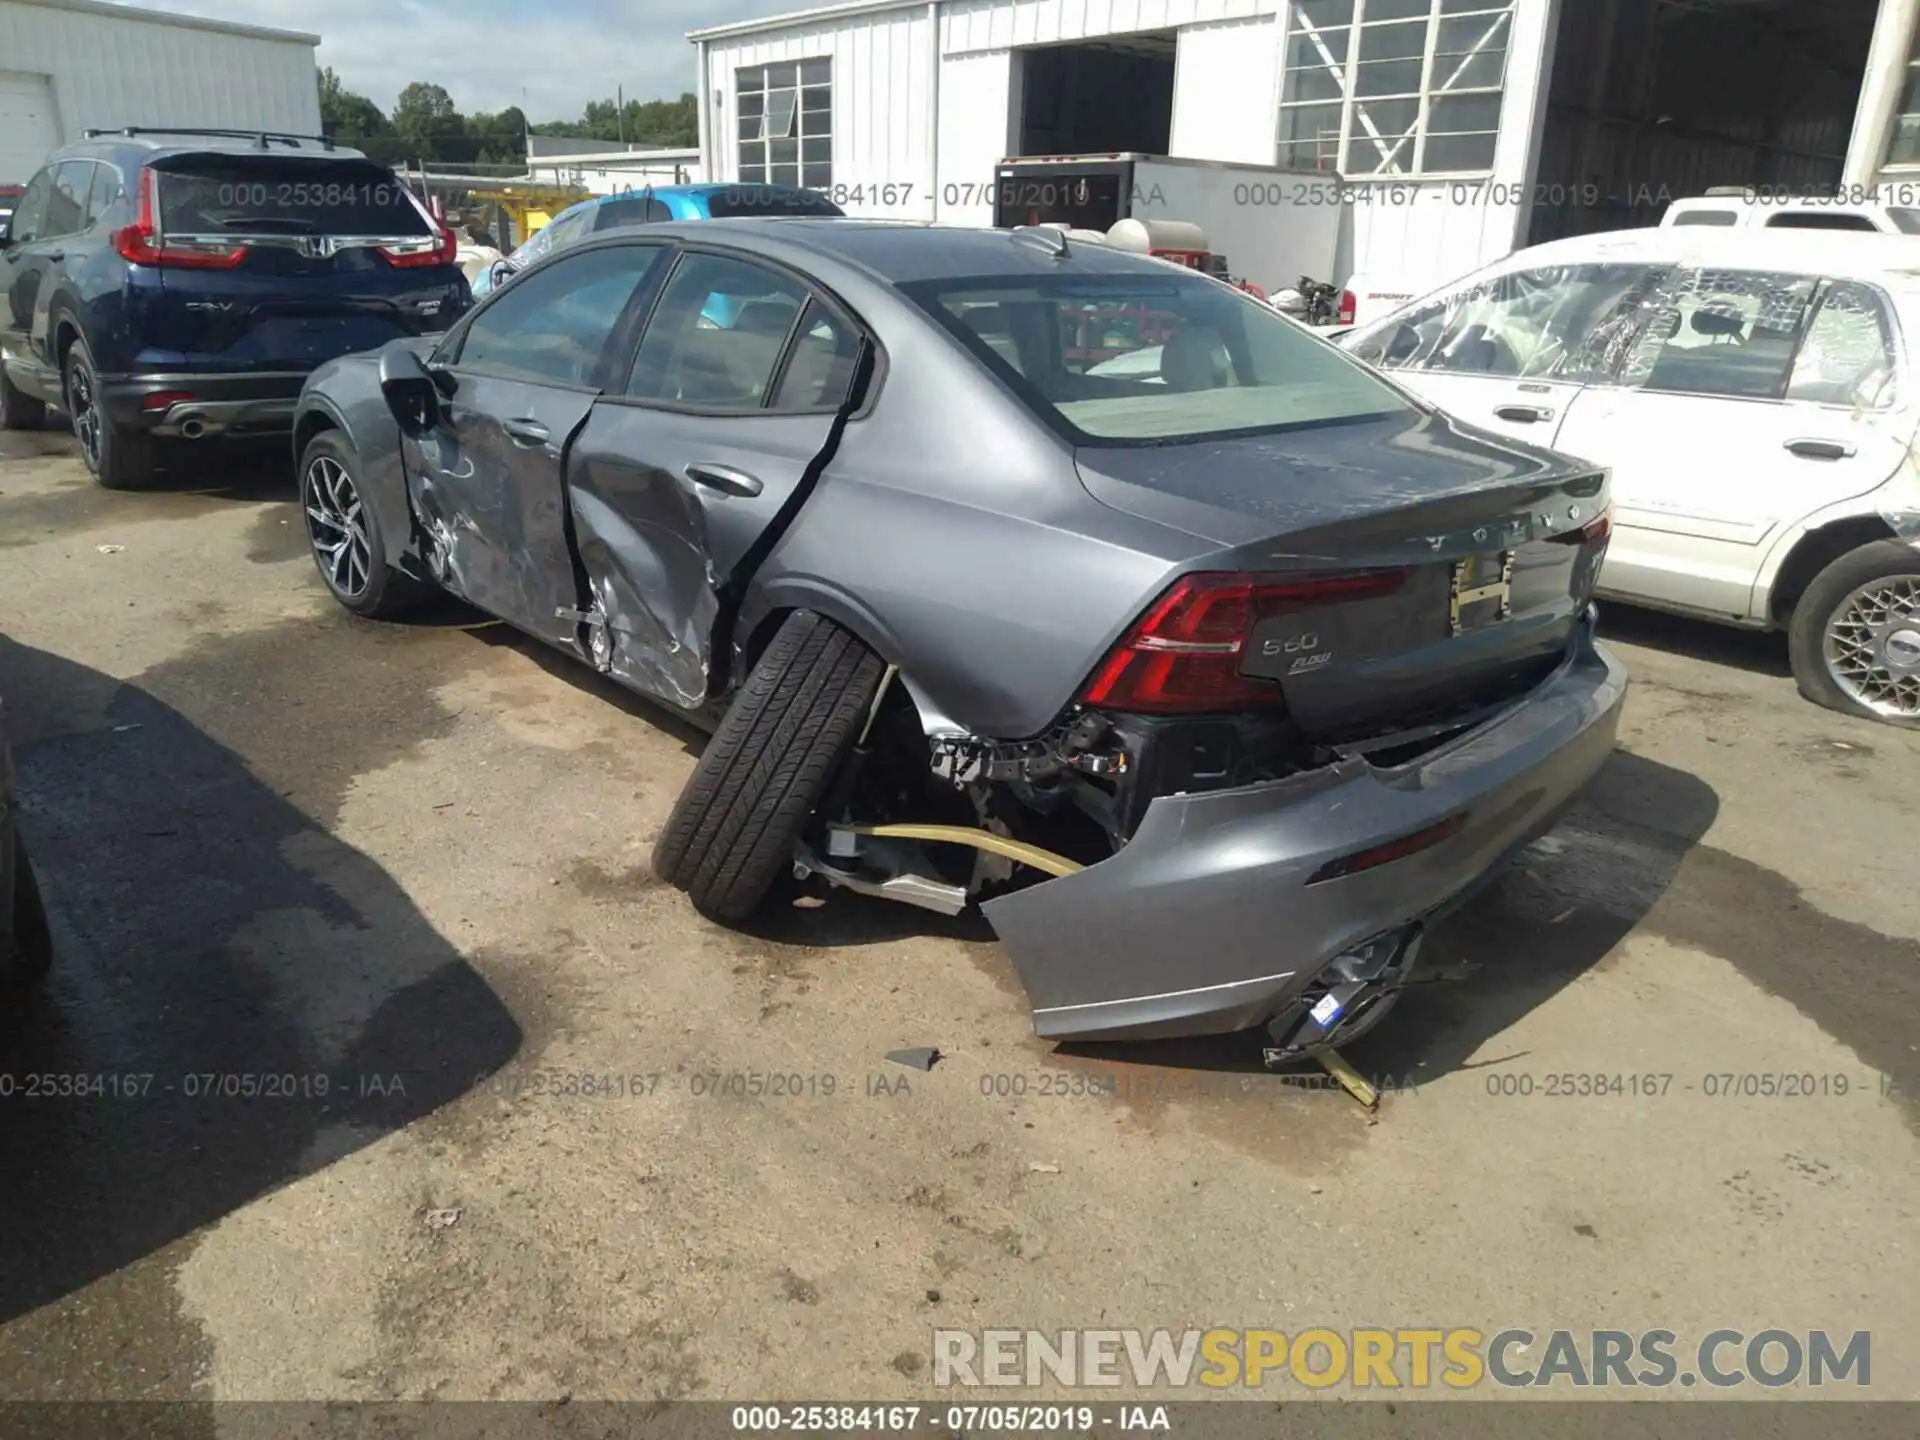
(1214, 681)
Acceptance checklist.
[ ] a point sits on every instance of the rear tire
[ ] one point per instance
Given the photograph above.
(119, 459)
(731, 836)
(336, 513)
(27, 954)
(19, 410)
(1855, 635)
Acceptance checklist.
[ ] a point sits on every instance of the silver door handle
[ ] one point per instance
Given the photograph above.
(525, 432)
(725, 479)
(1523, 414)
(1814, 449)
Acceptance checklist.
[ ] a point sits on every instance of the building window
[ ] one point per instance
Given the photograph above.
(786, 123)
(1905, 146)
(1394, 87)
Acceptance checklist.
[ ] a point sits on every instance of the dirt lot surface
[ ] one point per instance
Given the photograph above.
(407, 867)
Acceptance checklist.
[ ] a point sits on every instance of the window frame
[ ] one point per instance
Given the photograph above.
(862, 397)
(450, 353)
(1499, 15)
(1896, 344)
(753, 156)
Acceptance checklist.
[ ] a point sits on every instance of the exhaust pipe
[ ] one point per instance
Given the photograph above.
(193, 427)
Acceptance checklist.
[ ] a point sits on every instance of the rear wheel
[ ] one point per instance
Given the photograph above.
(732, 833)
(119, 459)
(26, 954)
(19, 410)
(1855, 634)
(343, 531)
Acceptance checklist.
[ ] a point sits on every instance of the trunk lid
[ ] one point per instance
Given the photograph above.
(316, 280)
(1485, 535)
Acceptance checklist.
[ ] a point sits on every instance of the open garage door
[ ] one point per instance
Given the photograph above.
(1655, 100)
(1099, 98)
(29, 126)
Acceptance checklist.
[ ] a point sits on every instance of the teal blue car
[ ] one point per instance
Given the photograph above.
(651, 205)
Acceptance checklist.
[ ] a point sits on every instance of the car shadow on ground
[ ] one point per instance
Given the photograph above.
(238, 999)
(1760, 652)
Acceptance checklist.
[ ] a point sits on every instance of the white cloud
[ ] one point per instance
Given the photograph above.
(552, 59)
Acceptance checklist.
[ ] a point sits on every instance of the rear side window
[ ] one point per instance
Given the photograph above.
(768, 200)
(67, 209)
(716, 335)
(1819, 220)
(820, 370)
(106, 193)
(275, 195)
(1848, 355)
(1721, 332)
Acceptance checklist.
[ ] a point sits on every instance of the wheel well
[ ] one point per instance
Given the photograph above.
(64, 334)
(309, 425)
(1814, 551)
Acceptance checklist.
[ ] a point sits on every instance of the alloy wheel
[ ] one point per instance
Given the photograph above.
(85, 414)
(1872, 646)
(336, 526)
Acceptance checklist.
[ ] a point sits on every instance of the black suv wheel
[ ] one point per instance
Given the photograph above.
(119, 459)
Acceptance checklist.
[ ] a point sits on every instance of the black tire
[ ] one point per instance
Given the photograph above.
(119, 459)
(27, 953)
(359, 576)
(731, 836)
(19, 410)
(1817, 609)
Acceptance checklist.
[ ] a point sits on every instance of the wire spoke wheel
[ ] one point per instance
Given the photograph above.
(1872, 646)
(336, 526)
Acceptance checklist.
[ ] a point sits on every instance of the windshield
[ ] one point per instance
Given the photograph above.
(1149, 359)
(270, 194)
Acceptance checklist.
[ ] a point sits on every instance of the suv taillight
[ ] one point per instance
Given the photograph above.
(1183, 656)
(1349, 307)
(442, 249)
(140, 242)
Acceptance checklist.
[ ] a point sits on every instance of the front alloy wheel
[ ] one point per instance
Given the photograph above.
(336, 527)
(1872, 647)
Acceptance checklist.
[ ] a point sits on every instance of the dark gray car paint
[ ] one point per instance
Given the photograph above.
(955, 533)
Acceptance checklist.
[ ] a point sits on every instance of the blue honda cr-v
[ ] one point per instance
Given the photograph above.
(174, 285)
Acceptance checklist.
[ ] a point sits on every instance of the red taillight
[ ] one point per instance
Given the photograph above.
(1349, 307)
(442, 249)
(1595, 532)
(140, 243)
(162, 399)
(1183, 656)
(1393, 850)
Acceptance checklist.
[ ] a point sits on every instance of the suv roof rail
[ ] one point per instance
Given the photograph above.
(263, 139)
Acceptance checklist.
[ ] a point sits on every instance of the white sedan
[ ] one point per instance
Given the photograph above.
(1753, 393)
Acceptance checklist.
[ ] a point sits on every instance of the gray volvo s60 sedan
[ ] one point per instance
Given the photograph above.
(1212, 678)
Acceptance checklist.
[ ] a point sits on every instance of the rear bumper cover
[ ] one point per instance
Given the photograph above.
(1206, 922)
(261, 403)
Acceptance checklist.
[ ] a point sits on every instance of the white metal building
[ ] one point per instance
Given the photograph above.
(611, 172)
(1457, 129)
(68, 65)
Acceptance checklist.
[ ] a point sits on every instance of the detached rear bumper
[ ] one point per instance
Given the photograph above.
(196, 406)
(1213, 917)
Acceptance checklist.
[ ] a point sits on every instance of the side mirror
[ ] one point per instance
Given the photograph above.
(412, 391)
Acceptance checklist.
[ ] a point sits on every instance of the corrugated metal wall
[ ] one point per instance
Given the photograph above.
(882, 67)
(110, 70)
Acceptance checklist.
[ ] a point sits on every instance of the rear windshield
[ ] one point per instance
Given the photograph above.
(738, 200)
(1151, 360)
(269, 194)
(1905, 220)
(1705, 217)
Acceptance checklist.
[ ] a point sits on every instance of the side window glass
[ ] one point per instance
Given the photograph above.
(629, 210)
(68, 203)
(104, 195)
(1720, 332)
(1848, 355)
(1526, 324)
(1818, 220)
(30, 215)
(820, 370)
(552, 328)
(716, 334)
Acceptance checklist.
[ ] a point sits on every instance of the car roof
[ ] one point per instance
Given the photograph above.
(1892, 259)
(113, 145)
(903, 251)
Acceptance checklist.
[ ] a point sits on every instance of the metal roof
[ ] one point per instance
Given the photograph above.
(818, 15)
(178, 21)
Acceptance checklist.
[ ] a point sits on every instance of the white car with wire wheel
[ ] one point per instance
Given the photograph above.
(1756, 397)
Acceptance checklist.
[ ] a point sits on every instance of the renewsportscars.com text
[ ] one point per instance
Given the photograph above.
(1453, 1359)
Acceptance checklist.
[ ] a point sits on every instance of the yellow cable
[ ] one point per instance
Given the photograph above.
(980, 840)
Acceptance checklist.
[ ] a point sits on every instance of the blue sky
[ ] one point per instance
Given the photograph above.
(562, 53)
